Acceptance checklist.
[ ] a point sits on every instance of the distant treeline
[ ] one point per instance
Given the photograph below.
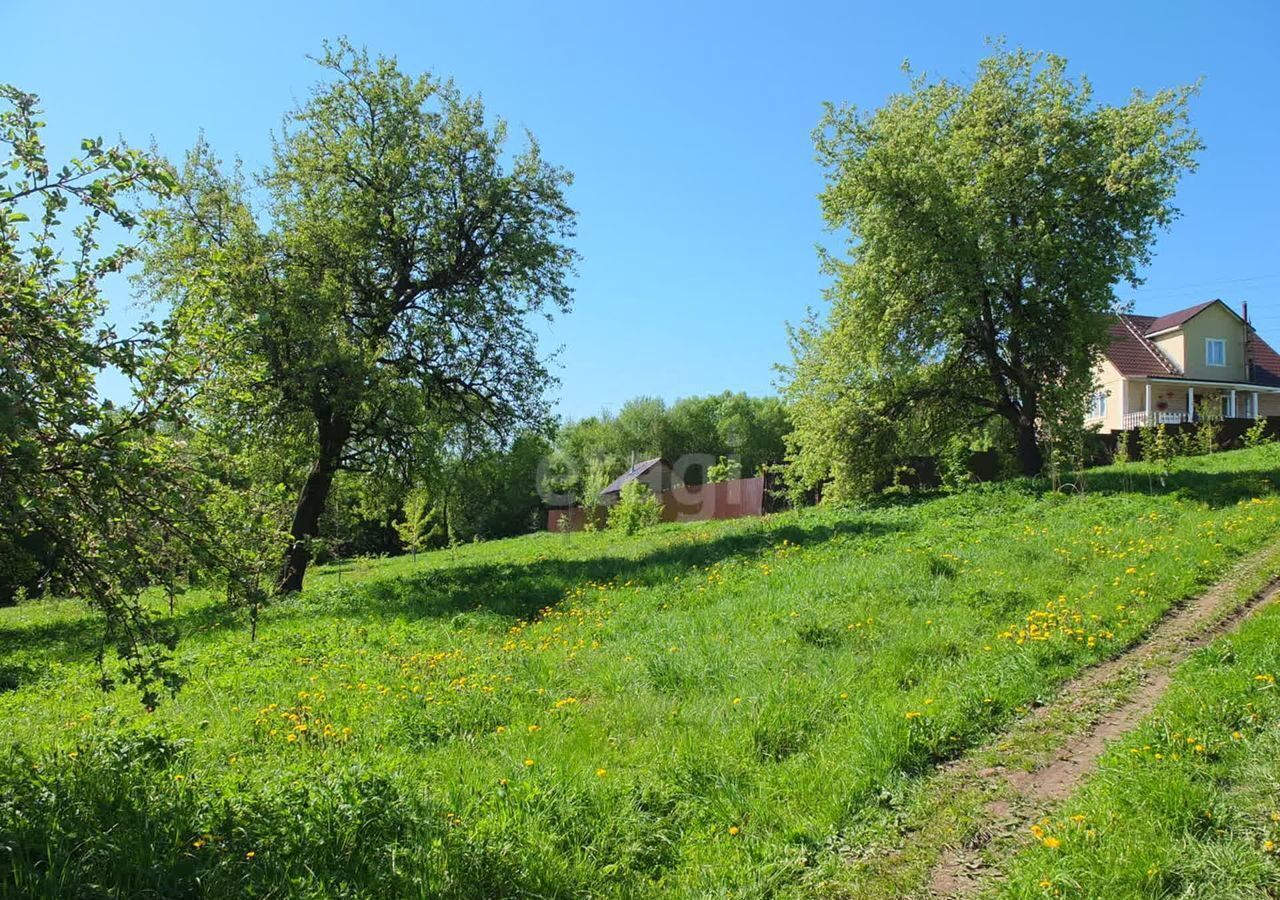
(486, 490)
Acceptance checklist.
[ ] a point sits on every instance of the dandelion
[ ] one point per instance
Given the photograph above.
(911, 715)
(733, 830)
(528, 762)
(600, 773)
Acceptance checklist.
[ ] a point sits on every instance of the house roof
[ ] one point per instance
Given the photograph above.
(1135, 355)
(1266, 362)
(633, 473)
(1132, 353)
(1174, 319)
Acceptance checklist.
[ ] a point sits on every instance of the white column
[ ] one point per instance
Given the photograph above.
(1231, 404)
(1257, 403)
(1146, 405)
(1191, 404)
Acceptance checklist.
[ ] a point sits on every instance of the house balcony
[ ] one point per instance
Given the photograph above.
(1142, 418)
(1188, 402)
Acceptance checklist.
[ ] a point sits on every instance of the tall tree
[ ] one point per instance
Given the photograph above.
(388, 285)
(988, 224)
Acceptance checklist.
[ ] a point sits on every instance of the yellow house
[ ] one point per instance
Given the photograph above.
(1168, 368)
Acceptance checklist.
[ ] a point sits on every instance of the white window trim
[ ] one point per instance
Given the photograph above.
(1098, 408)
(1208, 358)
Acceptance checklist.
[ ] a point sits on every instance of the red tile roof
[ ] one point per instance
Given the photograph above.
(1266, 362)
(1130, 351)
(1174, 319)
(1137, 356)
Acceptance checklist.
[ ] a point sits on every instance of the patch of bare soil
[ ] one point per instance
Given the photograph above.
(962, 871)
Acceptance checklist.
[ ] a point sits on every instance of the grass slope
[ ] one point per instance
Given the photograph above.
(1187, 805)
(702, 709)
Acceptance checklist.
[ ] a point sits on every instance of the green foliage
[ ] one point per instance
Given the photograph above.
(987, 224)
(415, 528)
(96, 500)
(600, 472)
(725, 469)
(1065, 436)
(1158, 448)
(695, 430)
(1208, 433)
(1123, 454)
(636, 509)
(1256, 435)
(744, 654)
(386, 292)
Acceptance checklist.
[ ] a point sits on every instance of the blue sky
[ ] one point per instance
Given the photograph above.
(687, 126)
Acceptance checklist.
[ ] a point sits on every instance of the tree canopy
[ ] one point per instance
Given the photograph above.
(591, 452)
(376, 286)
(97, 500)
(987, 226)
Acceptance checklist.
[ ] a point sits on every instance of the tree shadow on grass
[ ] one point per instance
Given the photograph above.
(521, 590)
(516, 590)
(1214, 489)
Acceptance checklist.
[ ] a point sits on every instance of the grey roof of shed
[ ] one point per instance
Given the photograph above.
(633, 473)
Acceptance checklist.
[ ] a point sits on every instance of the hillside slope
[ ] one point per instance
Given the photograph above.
(702, 709)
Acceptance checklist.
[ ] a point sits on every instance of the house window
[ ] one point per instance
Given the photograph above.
(1215, 352)
(1098, 406)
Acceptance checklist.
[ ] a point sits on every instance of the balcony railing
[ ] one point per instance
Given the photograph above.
(1155, 417)
(1165, 417)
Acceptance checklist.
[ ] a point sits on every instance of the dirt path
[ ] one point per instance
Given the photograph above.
(1099, 705)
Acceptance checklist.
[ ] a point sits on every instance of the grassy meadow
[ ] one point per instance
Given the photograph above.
(703, 709)
(1188, 804)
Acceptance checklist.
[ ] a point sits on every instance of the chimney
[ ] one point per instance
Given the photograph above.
(1248, 343)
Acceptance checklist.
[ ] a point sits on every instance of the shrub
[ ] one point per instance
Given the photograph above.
(1256, 436)
(729, 468)
(636, 508)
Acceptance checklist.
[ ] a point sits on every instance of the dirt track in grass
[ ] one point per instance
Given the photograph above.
(1025, 795)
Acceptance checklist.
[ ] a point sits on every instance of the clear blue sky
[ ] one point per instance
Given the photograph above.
(687, 126)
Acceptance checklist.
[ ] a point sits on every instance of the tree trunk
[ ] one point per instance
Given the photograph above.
(1029, 454)
(311, 504)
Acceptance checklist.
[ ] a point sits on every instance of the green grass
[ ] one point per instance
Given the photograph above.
(702, 709)
(1187, 805)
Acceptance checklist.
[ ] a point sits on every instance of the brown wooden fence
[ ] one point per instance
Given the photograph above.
(695, 503)
(1230, 436)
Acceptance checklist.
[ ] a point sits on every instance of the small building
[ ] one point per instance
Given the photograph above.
(656, 473)
(1166, 369)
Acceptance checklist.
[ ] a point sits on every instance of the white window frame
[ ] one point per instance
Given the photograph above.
(1098, 406)
(1209, 344)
